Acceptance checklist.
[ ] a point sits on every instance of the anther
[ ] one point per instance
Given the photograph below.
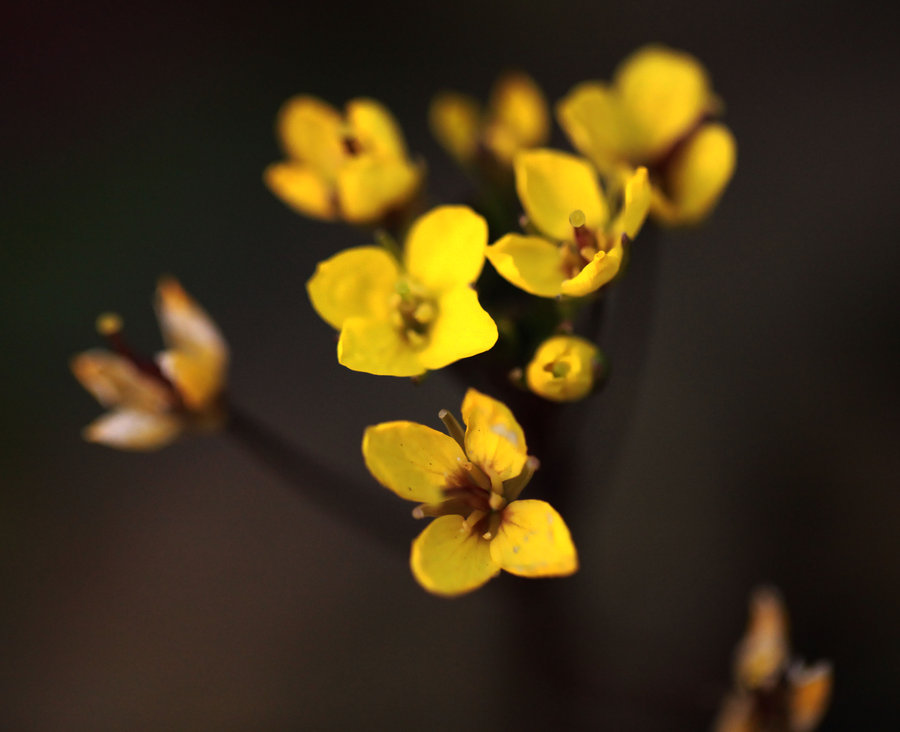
(109, 324)
(472, 519)
(493, 526)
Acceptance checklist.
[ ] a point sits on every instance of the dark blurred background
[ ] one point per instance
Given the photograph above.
(755, 442)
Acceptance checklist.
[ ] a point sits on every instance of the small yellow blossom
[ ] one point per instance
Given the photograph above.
(516, 119)
(406, 318)
(352, 166)
(656, 113)
(772, 691)
(470, 481)
(152, 401)
(581, 246)
(563, 368)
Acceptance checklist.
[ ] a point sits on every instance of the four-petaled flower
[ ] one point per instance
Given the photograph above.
(406, 318)
(516, 119)
(352, 166)
(581, 246)
(470, 481)
(656, 113)
(152, 401)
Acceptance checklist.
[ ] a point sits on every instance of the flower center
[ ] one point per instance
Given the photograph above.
(413, 311)
(584, 245)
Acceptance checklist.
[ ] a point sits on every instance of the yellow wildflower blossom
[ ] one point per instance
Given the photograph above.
(153, 400)
(352, 166)
(470, 481)
(581, 246)
(773, 692)
(563, 368)
(406, 318)
(656, 113)
(516, 119)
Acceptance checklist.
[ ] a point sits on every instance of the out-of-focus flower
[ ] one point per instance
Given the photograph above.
(656, 113)
(352, 166)
(470, 481)
(581, 246)
(563, 369)
(152, 401)
(516, 119)
(406, 318)
(773, 693)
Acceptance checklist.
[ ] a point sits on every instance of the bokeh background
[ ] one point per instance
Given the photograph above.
(754, 441)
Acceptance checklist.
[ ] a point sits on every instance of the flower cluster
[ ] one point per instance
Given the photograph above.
(647, 146)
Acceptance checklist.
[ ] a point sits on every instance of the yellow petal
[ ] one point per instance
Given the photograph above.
(376, 347)
(518, 116)
(534, 541)
(185, 325)
(562, 368)
(375, 128)
(414, 461)
(449, 560)
(635, 206)
(591, 117)
(494, 440)
(370, 187)
(551, 185)
(196, 376)
(664, 93)
(462, 329)
(531, 263)
(596, 273)
(445, 247)
(697, 176)
(810, 692)
(131, 429)
(311, 132)
(114, 381)
(455, 121)
(302, 188)
(356, 282)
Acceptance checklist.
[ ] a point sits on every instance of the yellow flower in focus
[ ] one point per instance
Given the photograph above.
(470, 481)
(152, 401)
(581, 248)
(352, 166)
(563, 369)
(516, 119)
(656, 113)
(406, 318)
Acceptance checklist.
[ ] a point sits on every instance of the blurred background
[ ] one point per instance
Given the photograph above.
(754, 438)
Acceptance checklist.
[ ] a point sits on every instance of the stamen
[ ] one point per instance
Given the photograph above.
(493, 526)
(109, 324)
(424, 313)
(389, 243)
(496, 501)
(479, 477)
(473, 518)
(513, 487)
(577, 218)
(585, 239)
(453, 427)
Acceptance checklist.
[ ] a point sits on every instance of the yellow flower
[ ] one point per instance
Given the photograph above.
(352, 166)
(403, 319)
(656, 113)
(152, 401)
(516, 119)
(581, 247)
(470, 481)
(563, 368)
(772, 691)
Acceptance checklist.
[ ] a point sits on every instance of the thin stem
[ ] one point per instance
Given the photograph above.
(361, 507)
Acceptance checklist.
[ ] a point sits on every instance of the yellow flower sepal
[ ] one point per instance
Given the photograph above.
(352, 166)
(406, 318)
(581, 246)
(470, 483)
(563, 368)
(152, 402)
(516, 119)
